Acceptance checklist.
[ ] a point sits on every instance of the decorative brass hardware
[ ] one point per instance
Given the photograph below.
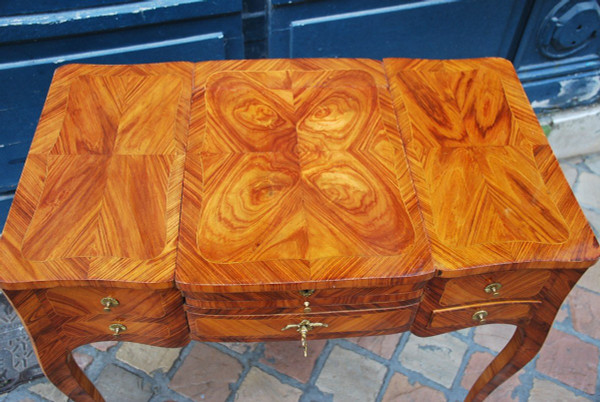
(307, 308)
(480, 316)
(493, 288)
(303, 328)
(306, 292)
(117, 329)
(108, 303)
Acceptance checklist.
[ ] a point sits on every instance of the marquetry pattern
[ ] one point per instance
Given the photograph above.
(100, 194)
(291, 177)
(489, 188)
(250, 180)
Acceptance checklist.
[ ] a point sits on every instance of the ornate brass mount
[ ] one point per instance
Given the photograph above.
(480, 316)
(306, 292)
(108, 303)
(493, 289)
(303, 328)
(117, 329)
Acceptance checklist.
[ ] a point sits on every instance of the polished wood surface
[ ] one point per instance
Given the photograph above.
(204, 197)
(291, 180)
(472, 289)
(235, 328)
(100, 194)
(55, 335)
(490, 190)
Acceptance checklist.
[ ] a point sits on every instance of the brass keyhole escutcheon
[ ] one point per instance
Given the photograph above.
(493, 289)
(303, 328)
(480, 316)
(307, 308)
(306, 292)
(108, 303)
(117, 329)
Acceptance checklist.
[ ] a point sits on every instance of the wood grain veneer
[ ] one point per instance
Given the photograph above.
(292, 181)
(73, 302)
(245, 328)
(504, 313)
(490, 190)
(99, 198)
(205, 196)
(515, 285)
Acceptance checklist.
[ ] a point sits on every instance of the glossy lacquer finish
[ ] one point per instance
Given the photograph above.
(100, 194)
(180, 201)
(291, 178)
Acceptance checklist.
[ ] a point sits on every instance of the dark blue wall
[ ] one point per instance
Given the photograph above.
(554, 44)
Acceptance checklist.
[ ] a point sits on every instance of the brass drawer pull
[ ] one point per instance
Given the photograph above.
(303, 328)
(480, 316)
(117, 329)
(108, 303)
(493, 289)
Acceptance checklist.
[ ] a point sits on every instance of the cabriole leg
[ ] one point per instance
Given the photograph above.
(53, 355)
(527, 340)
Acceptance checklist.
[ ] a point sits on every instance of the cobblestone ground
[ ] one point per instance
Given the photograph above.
(398, 367)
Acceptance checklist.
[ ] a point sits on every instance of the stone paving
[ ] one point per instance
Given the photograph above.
(399, 367)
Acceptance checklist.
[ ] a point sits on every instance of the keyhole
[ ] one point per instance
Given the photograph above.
(579, 27)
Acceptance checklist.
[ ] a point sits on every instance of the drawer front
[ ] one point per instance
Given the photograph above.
(308, 310)
(318, 302)
(294, 295)
(508, 313)
(131, 330)
(73, 302)
(513, 285)
(257, 328)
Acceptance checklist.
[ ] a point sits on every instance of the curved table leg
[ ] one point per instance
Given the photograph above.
(62, 370)
(53, 354)
(526, 341)
(522, 347)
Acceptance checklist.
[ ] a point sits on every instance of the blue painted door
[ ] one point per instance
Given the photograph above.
(554, 44)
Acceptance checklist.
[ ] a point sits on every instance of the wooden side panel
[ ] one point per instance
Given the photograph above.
(99, 199)
(533, 320)
(489, 188)
(54, 336)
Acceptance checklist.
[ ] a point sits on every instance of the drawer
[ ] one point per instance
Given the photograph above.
(73, 302)
(100, 327)
(507, 313)
(239, 309)
(329, 293)
(319, 301)
(513, 285)
(260, 327)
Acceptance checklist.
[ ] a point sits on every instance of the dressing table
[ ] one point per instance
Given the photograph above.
(299, 199)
